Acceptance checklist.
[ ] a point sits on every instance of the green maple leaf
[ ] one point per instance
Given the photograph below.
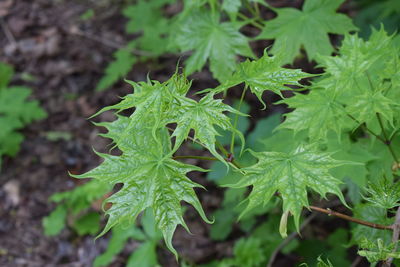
(150, 98)
(157, 104)
(150, 178)
(365, 107)
(309, 28)
(209, 39)
(129, 137)
(201, 117)
(317, 112)
(359, 58)
(290, 174)
(264, 74)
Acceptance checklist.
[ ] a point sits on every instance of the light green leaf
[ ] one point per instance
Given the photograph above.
(358, 60)
(151, 179)
(201, 117)
(151, 97)
(290, 174)
(264, 74)
(383, 194)
(309, 27)
(376, 251)
(317, 112)
(365, 107)
(209, 39)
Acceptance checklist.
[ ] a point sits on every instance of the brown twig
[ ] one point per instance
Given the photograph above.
(395, 237)
(352, 219)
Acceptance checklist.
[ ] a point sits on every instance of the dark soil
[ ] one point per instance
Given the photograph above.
(66, 57)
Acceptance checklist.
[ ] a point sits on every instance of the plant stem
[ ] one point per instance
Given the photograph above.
(352, 219)
(251, 21)
(257, 9)
(236, 120)
(219, 146)
(387, 140)
(227, 155)
(195, 157)
(367, 129)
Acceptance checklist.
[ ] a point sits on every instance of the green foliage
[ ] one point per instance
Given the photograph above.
(337, 132)
(309, 28)
(340, 138)
(264, 74)
(166, 188)
(146, 152)
(290, 174)
(377, 251)
(202, 28)
(201, 117)
(16, 112)
(383, 194)
(210, 39)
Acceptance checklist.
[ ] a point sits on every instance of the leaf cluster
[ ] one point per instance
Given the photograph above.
(211, 32)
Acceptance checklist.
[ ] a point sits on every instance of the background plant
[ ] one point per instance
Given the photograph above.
(16, 112)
